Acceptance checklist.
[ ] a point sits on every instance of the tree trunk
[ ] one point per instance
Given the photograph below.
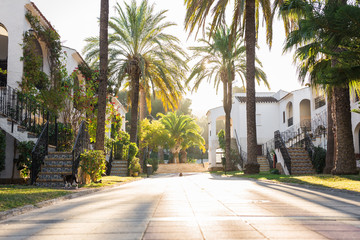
(227, 108)
(329, 162)
(251, 165)
(183, 156)
(175, 156)
(161, 154)
(344, 145)
(100, 128)
(134, 107)
(142, 107)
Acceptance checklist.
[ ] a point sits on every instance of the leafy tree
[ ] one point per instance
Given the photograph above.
(196, 15)
(221, 59)
(141, 55)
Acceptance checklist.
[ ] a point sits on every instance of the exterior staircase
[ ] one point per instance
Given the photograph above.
(264, 164)
(119, 168)
(55, 164)
(300, 162)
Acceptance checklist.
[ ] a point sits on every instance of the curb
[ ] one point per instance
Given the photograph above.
(27, 208)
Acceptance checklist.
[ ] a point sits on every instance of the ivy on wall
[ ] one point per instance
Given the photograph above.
(2, 149)
(48, 89)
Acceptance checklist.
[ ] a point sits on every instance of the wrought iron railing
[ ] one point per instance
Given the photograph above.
(290, 121)
(309, 146)
(109, 163)
(82, 143)
(268, 147)
(279, 144)
(243, 154)
(39, 152)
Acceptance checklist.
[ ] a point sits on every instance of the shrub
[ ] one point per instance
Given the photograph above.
(275, 171)
(134, 165)
(93, 162)
(154, 162)
(133, 150)
(318, 159)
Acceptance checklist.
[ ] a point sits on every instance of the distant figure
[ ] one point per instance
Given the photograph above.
(180, 175)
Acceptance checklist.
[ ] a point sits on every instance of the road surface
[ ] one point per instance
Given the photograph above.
(195, 206)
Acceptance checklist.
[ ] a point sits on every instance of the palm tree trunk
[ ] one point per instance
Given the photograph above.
(134, 107)
(227, 108)
(344, 145)
(100, 129)
(329, 161)
(175, 156)
(142, 103)
(183, 156)
(161, 154)
(252, 165)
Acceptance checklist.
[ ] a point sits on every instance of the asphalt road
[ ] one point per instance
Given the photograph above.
(195, 206)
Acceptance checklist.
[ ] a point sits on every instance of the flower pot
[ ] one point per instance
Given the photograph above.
(135, 174)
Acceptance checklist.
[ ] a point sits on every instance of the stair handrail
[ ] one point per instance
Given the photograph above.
(279, 144)
(267, 147)
(309, 145)
(243, 154)
(82, 143)
(39, 152)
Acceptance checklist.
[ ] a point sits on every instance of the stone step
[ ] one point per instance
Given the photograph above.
(50, 184)
(60, 169)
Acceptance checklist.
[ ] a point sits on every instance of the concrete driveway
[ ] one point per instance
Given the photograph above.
(195, 206)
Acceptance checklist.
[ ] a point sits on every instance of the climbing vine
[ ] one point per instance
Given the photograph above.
(2, 150)
(50, 89)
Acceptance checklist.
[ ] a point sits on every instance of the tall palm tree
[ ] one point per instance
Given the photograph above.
(179, 128)
(197, 13)
(141, 54)
(100, 129)
(221, 58)
(324, 44)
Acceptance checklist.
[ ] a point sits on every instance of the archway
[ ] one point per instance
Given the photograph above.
(289, 113)
(4, 45)
(357, 139)
(305, 114)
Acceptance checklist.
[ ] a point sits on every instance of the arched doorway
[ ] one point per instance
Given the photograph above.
(289, 113)
(4, 43)
(305, 114)
(357, 139)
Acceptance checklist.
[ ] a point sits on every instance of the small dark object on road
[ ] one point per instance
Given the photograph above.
(180, 175)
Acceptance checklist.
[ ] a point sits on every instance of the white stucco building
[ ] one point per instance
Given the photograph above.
(283, 111)
(13, 26)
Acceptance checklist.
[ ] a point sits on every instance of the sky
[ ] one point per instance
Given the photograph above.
(75, 20)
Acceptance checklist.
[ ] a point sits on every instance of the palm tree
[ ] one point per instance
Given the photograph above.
(179, 128)
(197, 13)
(222, 58)
(100, 129)
(326, 44)
(192, 140)
(141, 55)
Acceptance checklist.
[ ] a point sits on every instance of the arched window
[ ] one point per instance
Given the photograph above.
(4, 43)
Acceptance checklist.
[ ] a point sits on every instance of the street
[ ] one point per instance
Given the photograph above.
(195, 206)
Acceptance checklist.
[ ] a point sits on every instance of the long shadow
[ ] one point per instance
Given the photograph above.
(291, 190)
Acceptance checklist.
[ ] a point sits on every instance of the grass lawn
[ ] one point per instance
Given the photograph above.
(347, 182)
(13, 196)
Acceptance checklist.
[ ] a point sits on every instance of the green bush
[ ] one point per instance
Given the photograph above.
(2, 150)
(133, 150)
(154, 162)
(93, 162)
(135, 166)
(318, 159)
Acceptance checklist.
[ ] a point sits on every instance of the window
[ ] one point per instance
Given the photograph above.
(319, 102)
(283, 116)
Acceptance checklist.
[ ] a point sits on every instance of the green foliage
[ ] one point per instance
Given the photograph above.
(24, 161)
(93, 162)
(134, 165)
(133, 150)
(191, 160)
(121, 145)
(48, 90)
(2, 150)
(65, 136)
(318, 159)
(221, 138)
(154, 162)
